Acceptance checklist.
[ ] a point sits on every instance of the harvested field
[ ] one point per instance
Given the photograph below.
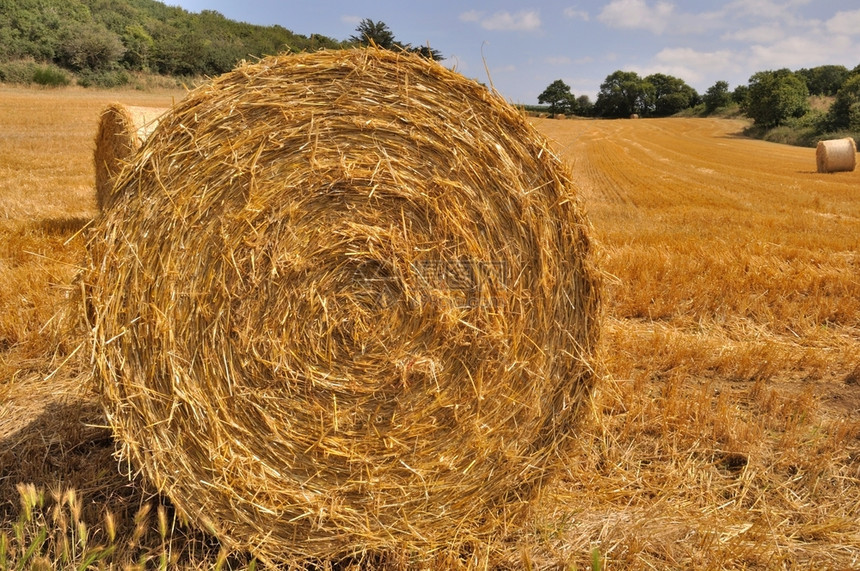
(729, 427)
(726, 433)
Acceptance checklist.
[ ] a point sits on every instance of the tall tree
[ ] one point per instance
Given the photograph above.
(622, 94)
(824, 79)
(845, 111)
(670, 95)
(89, 48)
(427, 52)
(775, 96)
(717, 96)
(741, 96)
(559, 97)
(378, 33)
(584, 106)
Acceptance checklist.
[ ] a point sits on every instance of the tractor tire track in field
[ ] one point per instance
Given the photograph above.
(732, 305)
(706, 162)
(700, 225)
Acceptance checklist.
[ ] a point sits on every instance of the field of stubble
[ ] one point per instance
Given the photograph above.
(726, 434)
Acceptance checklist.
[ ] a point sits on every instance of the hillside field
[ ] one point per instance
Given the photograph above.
(725, 433)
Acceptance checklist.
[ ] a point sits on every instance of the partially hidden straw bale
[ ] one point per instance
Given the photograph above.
(836, 155)
(121, 131)
(344, 304)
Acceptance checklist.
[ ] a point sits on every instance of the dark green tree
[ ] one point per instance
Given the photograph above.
(584, 106)
(670, 95)
(776, 96)
(741, 96)
(824, 79)
(378, 33)
(717, 96)
(34, 28)
(368, 32)
(89, 48)
(845, 111)
(427, 52)
(622, 94)
(139, 47)
(559, 97)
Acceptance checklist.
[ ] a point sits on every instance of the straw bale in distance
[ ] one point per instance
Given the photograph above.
(121, 131)
(345, 304)
(836, 155)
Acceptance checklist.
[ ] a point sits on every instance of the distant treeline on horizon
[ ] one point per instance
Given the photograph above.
(102, 42)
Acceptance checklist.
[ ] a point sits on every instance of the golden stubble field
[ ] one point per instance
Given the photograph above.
(725, 435)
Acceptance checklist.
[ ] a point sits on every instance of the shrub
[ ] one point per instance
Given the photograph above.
(27, 72)
(50, 76)
(104, 79)
(17, 71)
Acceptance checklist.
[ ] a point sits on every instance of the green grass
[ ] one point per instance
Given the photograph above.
(52, 532)
(50, 76)
(28, 72)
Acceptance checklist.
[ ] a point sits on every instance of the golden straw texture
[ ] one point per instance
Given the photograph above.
(121, 131)
(836, 155)
(344, 305)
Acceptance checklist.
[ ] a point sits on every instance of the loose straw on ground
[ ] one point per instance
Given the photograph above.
(836, 155)
(121, 131)
(343, 306)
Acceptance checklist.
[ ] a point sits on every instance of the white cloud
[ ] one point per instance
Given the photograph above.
(799, 51)
(780, 35)
(693, 65)
(574, 14)
(689, 56)
(770, 11)
(558, 60)
(769, 8)
(637, 15)
(525, 21)
(758, 34)
(470, 16)
(847, 23)
(351, 20)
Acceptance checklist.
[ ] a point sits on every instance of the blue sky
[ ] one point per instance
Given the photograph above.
(525, 45)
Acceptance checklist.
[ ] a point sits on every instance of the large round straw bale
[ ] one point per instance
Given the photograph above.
(121, 131)
(344, 304)
(836, 155)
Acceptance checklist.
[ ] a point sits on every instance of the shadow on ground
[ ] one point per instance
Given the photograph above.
(65, 226)
(65, 447)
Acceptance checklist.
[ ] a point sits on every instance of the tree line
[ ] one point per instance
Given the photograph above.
(770, 98)
(101, 41)
(104, 39)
